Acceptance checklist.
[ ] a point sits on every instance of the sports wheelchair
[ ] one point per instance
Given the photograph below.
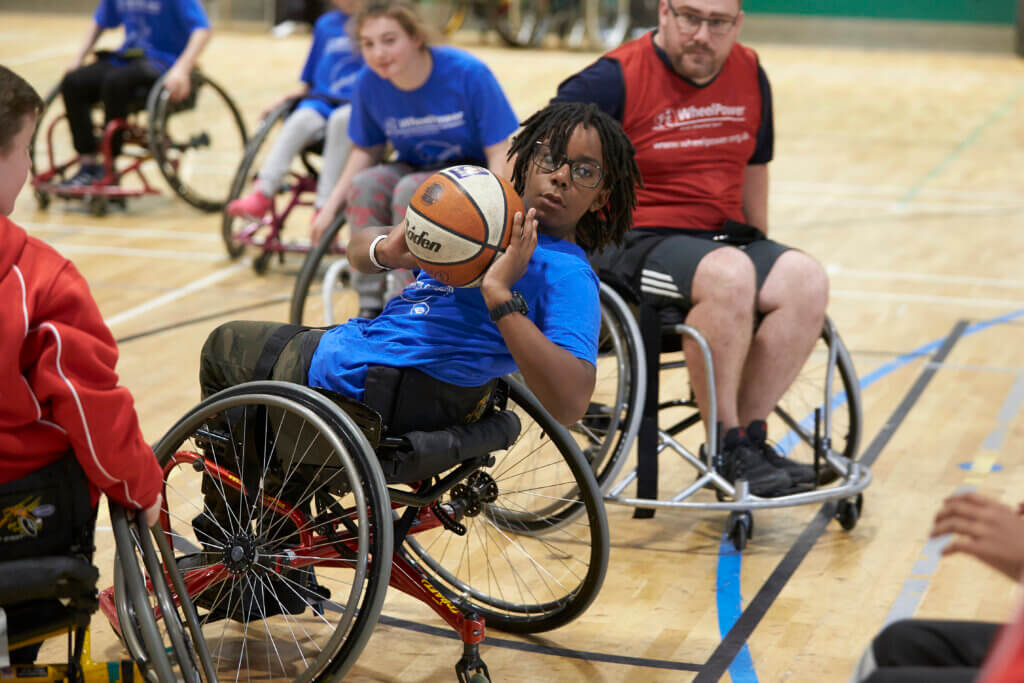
(48, 586)
(312, 509)
(195, 143)
(265, 233)
(820, 415)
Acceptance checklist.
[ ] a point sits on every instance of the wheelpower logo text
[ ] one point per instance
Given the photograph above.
(683, 117)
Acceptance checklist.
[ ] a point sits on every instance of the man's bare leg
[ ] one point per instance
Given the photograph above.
(723, 311)
(793, 301)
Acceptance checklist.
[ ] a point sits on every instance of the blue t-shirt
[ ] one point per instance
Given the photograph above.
(447, 333)
(332, 64)
(160, 29)
(453, 116)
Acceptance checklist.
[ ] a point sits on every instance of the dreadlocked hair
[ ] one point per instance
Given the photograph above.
(554, 124)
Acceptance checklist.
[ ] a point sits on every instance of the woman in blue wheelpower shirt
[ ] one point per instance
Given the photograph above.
(160, 36)
(435, 106)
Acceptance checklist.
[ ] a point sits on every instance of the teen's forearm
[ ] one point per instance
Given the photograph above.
(91, 36)
(562, 382)
(190, 55)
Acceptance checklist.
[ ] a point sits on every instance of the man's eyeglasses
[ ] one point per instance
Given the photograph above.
(584, 173)
(690, 23)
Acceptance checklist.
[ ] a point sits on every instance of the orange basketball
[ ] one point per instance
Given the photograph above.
(459, 221)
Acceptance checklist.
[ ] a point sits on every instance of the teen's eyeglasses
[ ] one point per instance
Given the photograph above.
(690, 23)
(583, 173)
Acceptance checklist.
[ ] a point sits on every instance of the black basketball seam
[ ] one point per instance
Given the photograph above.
(479, 211)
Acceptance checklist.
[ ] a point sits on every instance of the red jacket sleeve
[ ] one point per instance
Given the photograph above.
(73, 375)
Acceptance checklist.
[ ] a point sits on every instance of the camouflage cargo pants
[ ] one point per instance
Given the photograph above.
(232, 351)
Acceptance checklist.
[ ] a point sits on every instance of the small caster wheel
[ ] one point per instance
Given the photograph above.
(740, 528)
(848, 511)
(479, 678)
(42, 200)
(120, 202)
(259, 264)
(98, 206)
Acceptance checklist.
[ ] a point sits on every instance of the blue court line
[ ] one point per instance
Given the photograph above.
(730, 561)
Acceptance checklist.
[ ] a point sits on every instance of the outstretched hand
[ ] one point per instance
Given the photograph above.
(510, 266)
(985, 529)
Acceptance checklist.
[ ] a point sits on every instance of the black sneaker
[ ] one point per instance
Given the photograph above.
(88, 174)
(740, 459)
(801, 474)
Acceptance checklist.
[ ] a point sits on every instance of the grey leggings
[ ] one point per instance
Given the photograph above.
(379, 196)
(303, 127)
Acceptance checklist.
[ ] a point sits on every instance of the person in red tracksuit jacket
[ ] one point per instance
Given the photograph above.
(57, 356)
(697, 106)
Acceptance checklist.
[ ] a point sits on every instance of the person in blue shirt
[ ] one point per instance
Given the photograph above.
(322, 113)
(575, 170)
(160, 36)
(435, 106)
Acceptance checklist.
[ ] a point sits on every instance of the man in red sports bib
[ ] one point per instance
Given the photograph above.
(697, 106)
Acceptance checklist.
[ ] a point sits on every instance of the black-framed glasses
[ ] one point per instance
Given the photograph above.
(690, 23)
(583, 172)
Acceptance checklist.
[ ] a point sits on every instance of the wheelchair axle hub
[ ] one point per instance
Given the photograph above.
(239, 554)
(471, 495)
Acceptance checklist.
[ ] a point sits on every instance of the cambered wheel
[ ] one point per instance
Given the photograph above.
(196, 142)
(242, 183)
(307, 306)
(535, 555)
(609, 427)
(271, 602)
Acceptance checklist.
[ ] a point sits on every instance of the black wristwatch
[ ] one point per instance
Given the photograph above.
(517, 304)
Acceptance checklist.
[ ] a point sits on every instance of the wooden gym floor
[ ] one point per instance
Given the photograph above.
(898, 170)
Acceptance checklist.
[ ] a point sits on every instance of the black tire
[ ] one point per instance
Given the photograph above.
(740, 528)
(196, 144)
(302, 448)
(246, 173)
(795, 411)
(848, 511)
(310, 274)
(535, 557)
(608, 429)
(53, 117)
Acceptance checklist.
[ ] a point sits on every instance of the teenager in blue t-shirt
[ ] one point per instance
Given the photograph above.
(574, 168)
(435, 106)
(160, 35)
(323, 113)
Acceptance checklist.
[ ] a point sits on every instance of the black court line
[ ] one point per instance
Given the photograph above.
(202, 318)
(736, 638)
(544, 649)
